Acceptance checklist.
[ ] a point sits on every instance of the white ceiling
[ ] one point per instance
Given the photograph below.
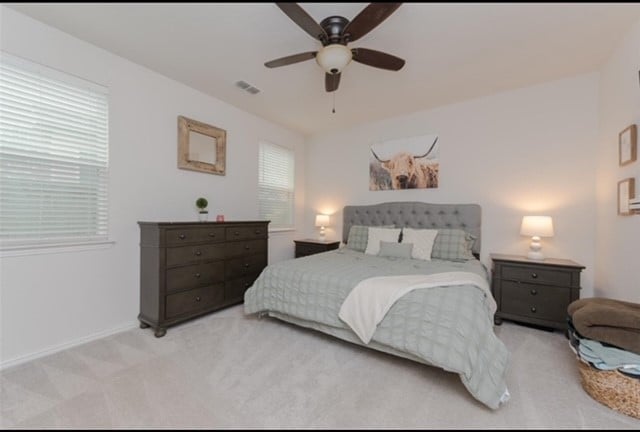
(453, 51)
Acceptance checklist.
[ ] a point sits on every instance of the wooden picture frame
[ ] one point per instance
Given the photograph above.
(626, 190)
(628, 145)
(201, 147)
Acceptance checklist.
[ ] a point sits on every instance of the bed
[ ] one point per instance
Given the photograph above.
(450, 327)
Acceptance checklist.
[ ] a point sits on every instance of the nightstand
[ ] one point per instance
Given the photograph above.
(534, 292)
(312, 246)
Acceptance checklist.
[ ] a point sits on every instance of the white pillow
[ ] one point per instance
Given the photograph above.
(422, 240)
(376, 235)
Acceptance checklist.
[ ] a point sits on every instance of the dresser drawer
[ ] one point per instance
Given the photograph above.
(194, 254)
(535, 275)
(244, 266)
(535, 301)
(246, 232)
(194, 276)
(246, 247)
(234, 289)
(194, 300)
(184, 236)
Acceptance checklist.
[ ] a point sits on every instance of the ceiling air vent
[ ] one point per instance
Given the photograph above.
(247, 87)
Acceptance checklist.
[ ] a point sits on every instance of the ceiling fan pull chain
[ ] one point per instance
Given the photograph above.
(334, 103)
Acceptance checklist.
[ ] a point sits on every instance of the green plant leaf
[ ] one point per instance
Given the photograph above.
(202, 203)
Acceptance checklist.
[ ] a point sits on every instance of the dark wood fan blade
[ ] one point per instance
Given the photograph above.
(368, 19)
(331, 82)
(377, 59)
(296, 58)
(304, 21)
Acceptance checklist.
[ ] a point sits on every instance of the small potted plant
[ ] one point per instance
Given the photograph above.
(202, 204)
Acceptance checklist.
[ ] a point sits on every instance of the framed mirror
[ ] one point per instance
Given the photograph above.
(201, 147)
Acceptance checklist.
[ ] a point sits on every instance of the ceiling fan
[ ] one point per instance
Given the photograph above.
(335, 32)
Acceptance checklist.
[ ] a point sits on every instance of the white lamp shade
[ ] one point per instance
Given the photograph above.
(540, 226)
(333, 58)
(322, 220)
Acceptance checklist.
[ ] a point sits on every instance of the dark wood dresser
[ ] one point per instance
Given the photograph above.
(534, 292)
(189, 269)
(310, 246)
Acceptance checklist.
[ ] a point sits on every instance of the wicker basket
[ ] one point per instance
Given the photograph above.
(611, 388)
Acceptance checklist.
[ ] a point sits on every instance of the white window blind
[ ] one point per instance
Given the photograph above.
(53, 157)
(275, 185)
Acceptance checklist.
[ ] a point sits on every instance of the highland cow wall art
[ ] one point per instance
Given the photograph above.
(407, 163)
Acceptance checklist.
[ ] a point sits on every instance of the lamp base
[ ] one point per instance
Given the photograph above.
(534, 249)
(535, 255)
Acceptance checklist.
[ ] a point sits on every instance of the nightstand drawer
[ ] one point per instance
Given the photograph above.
(535, 301)
(310, 246)
(536, 275)
(304, 249)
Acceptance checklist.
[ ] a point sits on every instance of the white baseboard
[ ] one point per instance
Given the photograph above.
(63, 346)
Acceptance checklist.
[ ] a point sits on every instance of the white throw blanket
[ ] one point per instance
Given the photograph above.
(370, 300)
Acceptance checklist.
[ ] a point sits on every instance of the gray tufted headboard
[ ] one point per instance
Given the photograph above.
(415, 214)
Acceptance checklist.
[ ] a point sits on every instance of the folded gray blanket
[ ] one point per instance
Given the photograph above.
(614, 322)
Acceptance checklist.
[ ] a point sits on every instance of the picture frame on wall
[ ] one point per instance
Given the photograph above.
(201, 147)
(405, 163)
(628, 145)
(626, 191)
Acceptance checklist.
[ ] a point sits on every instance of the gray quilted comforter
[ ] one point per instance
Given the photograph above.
(450, 327)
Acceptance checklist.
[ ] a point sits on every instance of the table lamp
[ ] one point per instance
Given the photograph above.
(536, 227)
(322, 220)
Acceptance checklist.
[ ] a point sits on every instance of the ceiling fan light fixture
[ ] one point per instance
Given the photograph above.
(335, 33)
(334, 58)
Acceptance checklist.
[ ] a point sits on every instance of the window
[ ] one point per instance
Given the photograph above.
(53, 157)
(275, 185)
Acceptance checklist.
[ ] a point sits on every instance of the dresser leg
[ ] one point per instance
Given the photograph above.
(143, 325)
(160, 332)
(497, 320)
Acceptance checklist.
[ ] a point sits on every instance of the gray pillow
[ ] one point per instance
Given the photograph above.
(358, 236)
(453, 245)
(393, 249)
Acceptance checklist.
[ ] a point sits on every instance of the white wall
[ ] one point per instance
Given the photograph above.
(528, 151)
(618, 236)
(55, 299)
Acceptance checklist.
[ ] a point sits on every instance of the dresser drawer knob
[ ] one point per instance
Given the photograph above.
(198, 253)
(533, 309)
(182, 236)
(246, 265)
(247, 247)
(197, 275)
(247, 284)
(534, 275)
(198, 298)
(212, 234)
(257, 232)
(237, 233)
(534, 292)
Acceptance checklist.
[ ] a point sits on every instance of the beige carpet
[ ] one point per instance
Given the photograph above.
(227, 370)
